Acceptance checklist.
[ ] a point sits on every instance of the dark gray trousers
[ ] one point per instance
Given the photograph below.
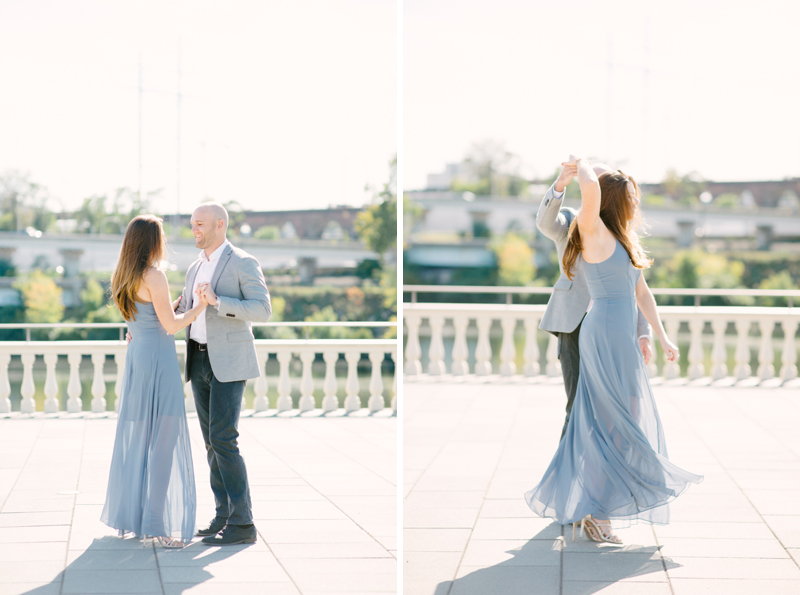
(570, 356)
(218, 407)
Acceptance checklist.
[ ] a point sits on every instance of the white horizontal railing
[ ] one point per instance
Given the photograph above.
(305, 350)
(461, 315)
(510, 291)
(28, 326)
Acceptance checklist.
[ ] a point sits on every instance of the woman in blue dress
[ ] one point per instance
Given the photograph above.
(151, 489)
(612, 462)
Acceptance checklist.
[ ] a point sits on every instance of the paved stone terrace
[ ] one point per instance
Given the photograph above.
(324, 500)
(471, 449)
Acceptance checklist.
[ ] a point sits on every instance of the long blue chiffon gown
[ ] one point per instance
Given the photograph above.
(151, 488)
(612, 461)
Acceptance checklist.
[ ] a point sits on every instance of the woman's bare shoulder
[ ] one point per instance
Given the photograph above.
(153, 275)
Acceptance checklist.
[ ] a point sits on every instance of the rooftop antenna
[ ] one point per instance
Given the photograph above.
(140, 126)
(177, 219)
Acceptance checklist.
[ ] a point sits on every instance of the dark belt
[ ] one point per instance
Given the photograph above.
(199, 346)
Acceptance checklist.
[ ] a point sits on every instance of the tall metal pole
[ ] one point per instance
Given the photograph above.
(645, 91)
(609, 95)
(140, 127)
(177, 220)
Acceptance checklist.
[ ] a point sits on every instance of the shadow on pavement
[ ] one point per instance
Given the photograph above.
(110, 562)
(543, 566)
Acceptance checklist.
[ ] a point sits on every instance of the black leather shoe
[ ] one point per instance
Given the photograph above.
(233, 535)
(215, 527)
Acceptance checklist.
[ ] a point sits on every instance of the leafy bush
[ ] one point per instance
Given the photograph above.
(514, 260)
(267, 232)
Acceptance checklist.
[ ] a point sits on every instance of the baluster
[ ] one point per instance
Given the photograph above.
(508, 351)
(261, 386)
(119, 359)
(28, 388)
(376, 401)
(553, 363)
(436, 349)
(74, 390)
(696, 367)
(50, 384)
(719, 369)
(394, 381)
(742, 370)
(306, 382)
(766, 356)
(284, 382)
(98, 384)
(672, 369)
(352, 402)
(5, 386)
(330, 402)
(460, 367)
(789, 355)
(413, 349)
(531, 353)
(483, 350)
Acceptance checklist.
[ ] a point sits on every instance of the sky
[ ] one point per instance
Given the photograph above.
(285, 105)
(710, 86)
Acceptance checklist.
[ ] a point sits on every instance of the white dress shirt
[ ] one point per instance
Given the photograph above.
(205, 272)
(557, 195)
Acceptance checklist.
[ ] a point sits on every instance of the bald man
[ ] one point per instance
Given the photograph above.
(220, 358)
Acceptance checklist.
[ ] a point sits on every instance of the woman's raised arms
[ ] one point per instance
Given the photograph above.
(589, 215)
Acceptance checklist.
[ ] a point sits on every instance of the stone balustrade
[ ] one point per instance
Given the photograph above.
(306, 350)
(455, 321)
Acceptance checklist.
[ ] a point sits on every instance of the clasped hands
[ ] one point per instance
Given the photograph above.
(206, 294)
(569, 170)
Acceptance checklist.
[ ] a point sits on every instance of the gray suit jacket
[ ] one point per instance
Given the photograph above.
(243, 298)
(570, 299)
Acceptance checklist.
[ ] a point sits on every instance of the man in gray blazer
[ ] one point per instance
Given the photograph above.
(220, 357)
(570, 299)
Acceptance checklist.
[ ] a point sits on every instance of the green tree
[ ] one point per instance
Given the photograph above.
(41, 298)
(267, 232)
(490, 169)
(95, 304)
(683, 188)
(728, 200)
(781, 280)
(514, 260)
(328, 314)
(412, 214)
(377, 224)
(99, 214)
(23, 203)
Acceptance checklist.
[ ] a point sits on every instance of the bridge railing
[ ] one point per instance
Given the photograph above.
(355, 351)
(470, 330)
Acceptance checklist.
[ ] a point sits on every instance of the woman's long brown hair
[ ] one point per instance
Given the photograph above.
(143, 246)
(619, 214)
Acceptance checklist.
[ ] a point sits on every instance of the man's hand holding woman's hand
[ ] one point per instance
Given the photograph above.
(208, 293)
(202, 299)
(569, 169)
(647, 349)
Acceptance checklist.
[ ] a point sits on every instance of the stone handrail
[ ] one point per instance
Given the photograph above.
(484, 315)
(122, 326)
(696, 292)
(306, 350)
